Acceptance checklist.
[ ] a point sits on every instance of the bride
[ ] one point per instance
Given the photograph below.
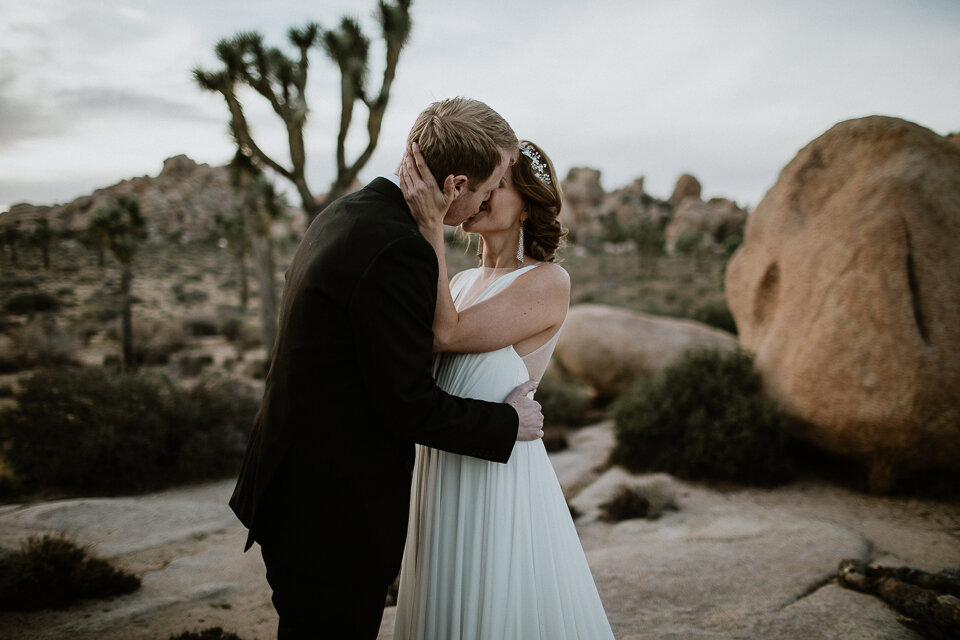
(492, 552)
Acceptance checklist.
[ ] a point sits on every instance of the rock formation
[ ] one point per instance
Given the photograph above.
(608, 348)
(582, 195)
(185, 198)
(846, 289)
(687, 187)
(713, 220)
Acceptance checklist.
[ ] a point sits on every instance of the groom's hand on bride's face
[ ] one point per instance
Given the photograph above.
(528, 411)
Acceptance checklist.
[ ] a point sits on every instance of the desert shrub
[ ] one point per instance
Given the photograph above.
(555, 440)
(626, 504)
(53, 572)
(231, 328)
(43, 342)
(200, 324)
(192, 365)
(28, 302)
(17, 282)
(564, 403)
(84, 430)
(186, 296)
(716, 314)
(705, 416)
(649, 501)
(154, 340)
(100, 312)
(689, 242)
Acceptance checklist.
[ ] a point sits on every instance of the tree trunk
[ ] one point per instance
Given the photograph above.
(242, 274)
(929, 600)
(45, 250)
(14, 259)
(263, 259)
(126, 319)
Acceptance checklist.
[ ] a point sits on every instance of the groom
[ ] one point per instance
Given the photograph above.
(325, 483)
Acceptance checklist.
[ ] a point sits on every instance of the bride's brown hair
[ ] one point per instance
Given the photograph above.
(539, 189)
(539, 186)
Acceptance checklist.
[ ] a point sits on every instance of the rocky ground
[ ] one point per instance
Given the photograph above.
(729, 562)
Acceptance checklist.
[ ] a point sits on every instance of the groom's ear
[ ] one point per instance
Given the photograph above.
(460, 183)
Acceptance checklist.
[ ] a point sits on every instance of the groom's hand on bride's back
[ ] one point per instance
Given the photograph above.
(531, 419)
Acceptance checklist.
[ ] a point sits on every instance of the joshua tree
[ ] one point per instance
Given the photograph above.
(647, 235)
(11, 237)
(282, 80)
(42, 236)
(124, 228)
(261, 205)
(234, 230)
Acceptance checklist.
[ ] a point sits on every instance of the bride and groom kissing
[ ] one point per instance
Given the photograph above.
(396, 407)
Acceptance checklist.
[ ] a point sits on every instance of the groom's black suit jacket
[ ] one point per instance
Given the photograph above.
(326, 477)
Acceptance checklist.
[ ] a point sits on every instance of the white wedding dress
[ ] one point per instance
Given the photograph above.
(492, 552)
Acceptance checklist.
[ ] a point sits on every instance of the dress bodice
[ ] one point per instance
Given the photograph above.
(475, 285)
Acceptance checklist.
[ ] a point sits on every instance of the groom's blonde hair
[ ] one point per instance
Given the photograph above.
(462, 136)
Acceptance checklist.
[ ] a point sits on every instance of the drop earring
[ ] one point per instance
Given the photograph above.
(520, 248)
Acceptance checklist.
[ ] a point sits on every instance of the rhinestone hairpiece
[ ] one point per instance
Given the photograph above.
(537, 164)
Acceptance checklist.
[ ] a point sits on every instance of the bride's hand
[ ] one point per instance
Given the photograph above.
(427, 202)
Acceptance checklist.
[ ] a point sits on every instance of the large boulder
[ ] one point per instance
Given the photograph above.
(632, 203)
(608, 348)
(582, 195)
(687, 187)
(846, 288)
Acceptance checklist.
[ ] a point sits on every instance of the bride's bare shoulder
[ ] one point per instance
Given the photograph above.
(549, 275)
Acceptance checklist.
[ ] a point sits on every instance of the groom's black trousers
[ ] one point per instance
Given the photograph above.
(313, 609)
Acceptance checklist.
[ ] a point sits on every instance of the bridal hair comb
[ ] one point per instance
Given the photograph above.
(537, 164)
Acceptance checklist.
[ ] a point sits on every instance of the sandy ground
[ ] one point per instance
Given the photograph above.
(187, 547)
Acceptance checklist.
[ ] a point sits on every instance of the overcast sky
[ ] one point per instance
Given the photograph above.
(728, 90)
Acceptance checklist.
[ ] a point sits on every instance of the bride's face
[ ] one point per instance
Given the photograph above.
(501, 211)
(471, 199)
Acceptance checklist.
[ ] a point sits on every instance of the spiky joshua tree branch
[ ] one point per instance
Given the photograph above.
(282, 80)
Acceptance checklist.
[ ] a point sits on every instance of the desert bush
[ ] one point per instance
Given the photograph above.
(44, 342)
(28, 302)
(211, 633)
(716, 314)
(555, 440)
(53, 572)
(198, 323)
(626, 504)
(231, 328)
(154, 340)
(689, 242)
(84, 430)
(17, 282)
(649, 501)
(188, 297)
(706, 417)
(564, 403)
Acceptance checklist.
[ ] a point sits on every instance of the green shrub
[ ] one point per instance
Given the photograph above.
(43, 342)
(155, 340)
(626, 504)
(84, 430)
(31, 302)
(231, 328)
(650, 502)
(705, 416)
(564, 403)
(53, 572)
(716, 314)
